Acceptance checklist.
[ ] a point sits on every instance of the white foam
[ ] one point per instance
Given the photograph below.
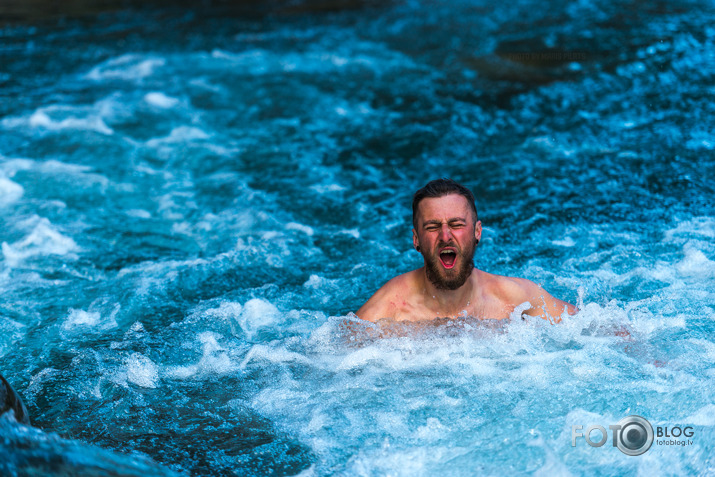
(214, 359)
(81, 318)
(261, 62)
(40, 119)
(272, 354)
(698, 227)
(12, 166)
(695, 264)
(12, 332)
(76, 172)
(519, 364)
(160, 100)
(10, 192)
(551, 144)
(270, 235)
(354, 233)
(327, 188)
(138, 213)
(553, 465)
(566, 242)
(256, 61)
(257, 314)
(42, 240)
(142, 371)
(174, 204)
(432, 430)
(705, 416)
(55, 168)
(126, 67)
(179, 134)
(78, 117)
(348, 110)
(227, 312)
(38, 382)
(300, 227)
(314, 281)
(81, 321)
(372, 356)
(708, 352)
(397, 460)
(165, 270)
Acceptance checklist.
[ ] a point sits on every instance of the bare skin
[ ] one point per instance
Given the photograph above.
(446, 234)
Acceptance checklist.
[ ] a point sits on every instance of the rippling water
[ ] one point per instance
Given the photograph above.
(193, 201)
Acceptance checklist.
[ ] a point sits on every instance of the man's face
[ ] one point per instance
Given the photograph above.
(447, 236)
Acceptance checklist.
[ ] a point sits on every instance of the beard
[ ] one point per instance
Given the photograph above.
(452, 278)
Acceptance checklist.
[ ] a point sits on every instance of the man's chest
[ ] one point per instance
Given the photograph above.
(488, 308)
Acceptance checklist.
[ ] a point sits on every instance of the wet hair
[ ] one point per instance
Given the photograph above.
(440, 188)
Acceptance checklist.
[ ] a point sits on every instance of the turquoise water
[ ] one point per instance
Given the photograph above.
(193, 201)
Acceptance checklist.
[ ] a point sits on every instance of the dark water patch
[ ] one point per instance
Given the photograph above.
(188, 194)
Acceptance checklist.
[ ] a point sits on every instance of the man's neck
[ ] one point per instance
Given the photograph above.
(447, 303)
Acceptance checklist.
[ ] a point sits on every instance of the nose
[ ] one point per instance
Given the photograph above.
(445, 233)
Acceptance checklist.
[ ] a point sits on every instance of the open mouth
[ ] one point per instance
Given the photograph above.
(448, 257)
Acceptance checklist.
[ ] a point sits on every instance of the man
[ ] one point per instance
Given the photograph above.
(446, 232)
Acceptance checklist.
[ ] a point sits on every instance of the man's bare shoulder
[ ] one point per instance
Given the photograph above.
(503, 287)
(517, 291)
(390, 298)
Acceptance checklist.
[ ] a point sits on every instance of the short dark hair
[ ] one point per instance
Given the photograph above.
(440, 188)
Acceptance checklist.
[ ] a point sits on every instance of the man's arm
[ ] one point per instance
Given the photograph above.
(543, 304)
(376, 307)
(384, 303)
(373, 308)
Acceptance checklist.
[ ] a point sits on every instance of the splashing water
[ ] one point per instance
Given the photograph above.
(194, 200)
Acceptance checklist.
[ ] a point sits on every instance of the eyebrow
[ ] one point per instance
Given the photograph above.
(449, 221)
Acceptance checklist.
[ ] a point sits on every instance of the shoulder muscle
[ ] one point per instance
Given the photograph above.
(542, 303)
(382, 304)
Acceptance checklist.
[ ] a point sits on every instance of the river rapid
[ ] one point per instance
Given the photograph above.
(193, 200)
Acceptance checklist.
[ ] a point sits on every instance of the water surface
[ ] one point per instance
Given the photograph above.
(192, 201)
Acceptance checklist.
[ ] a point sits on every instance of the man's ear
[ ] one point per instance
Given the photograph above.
(415, 240)
(478, 230)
